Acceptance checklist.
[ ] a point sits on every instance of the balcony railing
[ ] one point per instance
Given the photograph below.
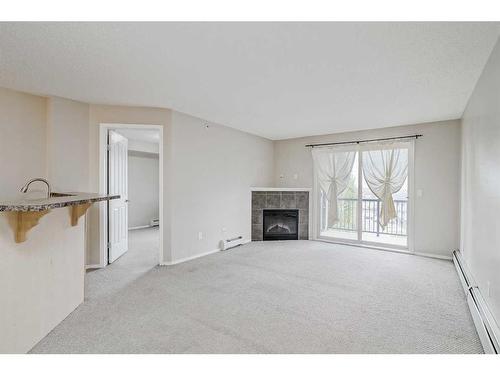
(370, 211)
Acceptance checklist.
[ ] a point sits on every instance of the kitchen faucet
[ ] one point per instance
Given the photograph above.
(24, 189)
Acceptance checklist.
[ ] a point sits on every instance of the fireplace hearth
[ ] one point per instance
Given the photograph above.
(280, 225)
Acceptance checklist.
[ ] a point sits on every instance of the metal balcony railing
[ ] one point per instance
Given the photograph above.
(370, 214)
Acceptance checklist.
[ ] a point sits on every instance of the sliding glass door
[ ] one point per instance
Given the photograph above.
(374, 206)
(395, 232)
(346, 227)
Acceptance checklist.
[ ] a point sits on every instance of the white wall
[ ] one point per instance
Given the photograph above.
(212, 171)
(141, 146)
(480, 243)
(437, 174)
(22, 140)
(68, 144)
(143, 181)
(41, 280)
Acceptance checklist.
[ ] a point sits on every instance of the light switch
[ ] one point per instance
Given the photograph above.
(420, 193)
(295, 176)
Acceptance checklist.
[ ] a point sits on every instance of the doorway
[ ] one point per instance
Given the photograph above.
(131, 165)
(360, 210)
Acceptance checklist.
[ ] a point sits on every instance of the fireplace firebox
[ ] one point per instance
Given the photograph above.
(280, 225)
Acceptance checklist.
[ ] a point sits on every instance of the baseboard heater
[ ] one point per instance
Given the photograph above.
(486, 326)
(232, 242)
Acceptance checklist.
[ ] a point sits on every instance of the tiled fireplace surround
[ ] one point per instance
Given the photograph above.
(279, 199)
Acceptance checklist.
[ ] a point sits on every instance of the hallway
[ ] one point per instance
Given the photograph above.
(141, 257)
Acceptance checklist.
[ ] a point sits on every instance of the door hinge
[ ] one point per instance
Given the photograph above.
(108, 147)
(108, 245)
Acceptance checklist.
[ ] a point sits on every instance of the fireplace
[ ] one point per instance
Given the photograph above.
(280, 225)
(276, 199)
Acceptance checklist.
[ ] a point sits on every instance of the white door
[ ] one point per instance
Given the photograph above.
(117, 184)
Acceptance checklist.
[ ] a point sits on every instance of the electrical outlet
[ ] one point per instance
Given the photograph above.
(224, 229)
(200, 235)
(295, 176)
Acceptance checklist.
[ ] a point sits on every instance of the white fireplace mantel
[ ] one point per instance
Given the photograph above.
(278, 189)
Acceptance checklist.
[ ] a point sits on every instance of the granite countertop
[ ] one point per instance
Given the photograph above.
(57, 200)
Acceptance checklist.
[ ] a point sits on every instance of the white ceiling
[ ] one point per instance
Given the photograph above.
(277, 80)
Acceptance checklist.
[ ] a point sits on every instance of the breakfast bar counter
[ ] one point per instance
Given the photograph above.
(27, 210)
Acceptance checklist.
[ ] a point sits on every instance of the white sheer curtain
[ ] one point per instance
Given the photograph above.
(333, 168)
(385, 172)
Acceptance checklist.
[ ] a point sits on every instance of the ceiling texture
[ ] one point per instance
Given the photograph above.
(276, 80)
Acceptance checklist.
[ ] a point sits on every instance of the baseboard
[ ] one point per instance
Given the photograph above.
(435, 256)
(92, 266)
(381, 248)
(486, 326)
(187, 259)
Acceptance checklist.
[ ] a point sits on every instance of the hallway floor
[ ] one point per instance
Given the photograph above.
(142, 256)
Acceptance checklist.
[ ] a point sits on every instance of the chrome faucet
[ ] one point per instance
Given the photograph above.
(24, 189)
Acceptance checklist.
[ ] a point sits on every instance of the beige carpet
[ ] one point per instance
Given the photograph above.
(270, 297)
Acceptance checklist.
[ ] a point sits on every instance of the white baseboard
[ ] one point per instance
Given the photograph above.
(177, 261)
(435, 256)
(186, 259)
(92, 266)
(382, 248)
(486, 326)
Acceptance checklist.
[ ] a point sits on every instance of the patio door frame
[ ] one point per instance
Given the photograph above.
(410, 145)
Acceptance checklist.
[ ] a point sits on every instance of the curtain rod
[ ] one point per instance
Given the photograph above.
(416, 136)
